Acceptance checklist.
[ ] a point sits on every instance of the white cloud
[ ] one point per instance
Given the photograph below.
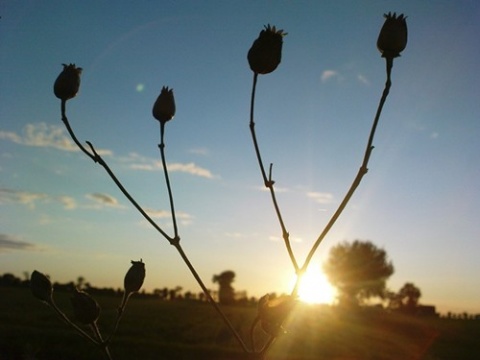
(321, 197)
(199, 151)
(68, 202)
(190, 168)
(45, 135)
(104, 200)
(142, 163)
(328, 74)
(22, 197)
(363, 79)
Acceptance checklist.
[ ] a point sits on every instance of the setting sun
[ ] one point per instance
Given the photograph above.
(315, 287)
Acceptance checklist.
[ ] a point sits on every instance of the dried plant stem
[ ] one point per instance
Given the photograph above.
(70, 323)
(120, 312)
(102, 344)
(361, 172)
(180, 250)
(161, 146)
(210, 298)
(175, 240)
(268, 182)
(98, 159)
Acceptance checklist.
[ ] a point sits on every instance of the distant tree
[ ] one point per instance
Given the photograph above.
(359, 271)
(226, 293)
(175, 294)
(80, 283)
(409, 295)
(8, 279)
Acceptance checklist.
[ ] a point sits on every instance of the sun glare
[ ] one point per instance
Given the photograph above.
(315, 288)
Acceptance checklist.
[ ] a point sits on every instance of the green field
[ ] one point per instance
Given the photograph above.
(153, 329)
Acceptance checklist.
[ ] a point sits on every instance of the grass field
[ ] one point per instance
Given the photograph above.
(153, 329)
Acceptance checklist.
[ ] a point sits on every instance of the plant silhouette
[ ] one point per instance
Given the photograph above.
(264, 57)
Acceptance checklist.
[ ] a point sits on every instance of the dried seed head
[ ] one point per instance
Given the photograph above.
(41, 286)
(273, 312)
(134, 277)
(266, 52)
(392, 39)
(68, 82)
(85, 309)
(164, 107)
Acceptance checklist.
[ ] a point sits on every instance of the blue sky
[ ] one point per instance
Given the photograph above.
(62, 215)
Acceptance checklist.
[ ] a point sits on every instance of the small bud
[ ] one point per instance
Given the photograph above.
(85, 309)
(266, 52)
(164, 107)
(134, 277)
(393, 37)
(41, 286)
(68, 82)
(273, 312)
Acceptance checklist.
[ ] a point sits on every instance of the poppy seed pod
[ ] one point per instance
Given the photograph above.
(68, 82)
(266, 52)
(41, 286)
(273, 312)
(85, 309)
(134, 277)
(393, 37)
(164, 107)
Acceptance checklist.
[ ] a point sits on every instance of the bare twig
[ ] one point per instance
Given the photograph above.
(268, 182)
(361, 172)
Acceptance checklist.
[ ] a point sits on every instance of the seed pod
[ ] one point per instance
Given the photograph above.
(273, 312)
(393, 36)
(85, 309)
(68, 82)
(266, 52)
(134, 277)
(41, 286)
(164, 107)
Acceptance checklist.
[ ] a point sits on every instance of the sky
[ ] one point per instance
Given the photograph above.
(62, 215)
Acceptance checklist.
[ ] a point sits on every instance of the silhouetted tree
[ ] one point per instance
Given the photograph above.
(226, 293)
(358, 270)
(409, 295)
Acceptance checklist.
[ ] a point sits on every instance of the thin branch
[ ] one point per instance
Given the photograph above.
(175, 241)
(70, 323)
(361, 172)
(209, 297)
(268, 182)
(102, 344)
(98, 159)
(161, 146)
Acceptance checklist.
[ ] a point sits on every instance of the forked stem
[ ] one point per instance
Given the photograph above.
(175, 240)
(268, 182)
(98, 159)
(361, 172)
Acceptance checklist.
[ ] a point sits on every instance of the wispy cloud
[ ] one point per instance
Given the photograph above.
(183, 217)
(320, 197)
(104, 200)
(12, 242)
(363, 79)
(328, 74)
(275, 238)
(135, 161)
(22, 197)
(347, 74)
(199, 151)
(32, 199)
(44, 135)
